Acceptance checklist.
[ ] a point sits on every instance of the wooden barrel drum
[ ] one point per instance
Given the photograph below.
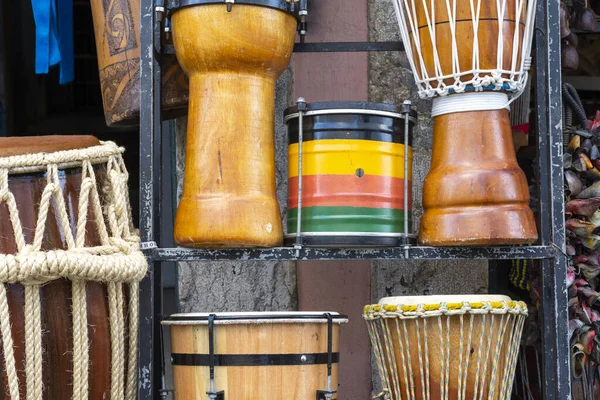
(353, 174)
(446, 347)
(117, 33)
(51, 262)
(470, 57)
(233, 59)
(269, 355)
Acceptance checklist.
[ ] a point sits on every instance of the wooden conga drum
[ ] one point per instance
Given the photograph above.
(233, 59)
(353, 174)
(117, 33)
(471, 58)
(68, 327)
(250, 356)
(446, 347)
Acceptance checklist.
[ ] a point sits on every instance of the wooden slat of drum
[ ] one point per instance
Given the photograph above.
(251, 383)
(57, 338)
(17, 145)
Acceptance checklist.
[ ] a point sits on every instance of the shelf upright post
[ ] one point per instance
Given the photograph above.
(150, 130)
(554, 308)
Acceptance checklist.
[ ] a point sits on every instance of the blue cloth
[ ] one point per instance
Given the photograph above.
(54, 37)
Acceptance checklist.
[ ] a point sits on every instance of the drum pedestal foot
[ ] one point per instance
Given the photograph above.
(475, 192)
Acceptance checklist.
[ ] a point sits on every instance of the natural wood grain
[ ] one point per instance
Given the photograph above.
(475, 192)
(482, 330)
(57, 338)
(117, 33)
(232, 60)
(488, 35)
(251, 383)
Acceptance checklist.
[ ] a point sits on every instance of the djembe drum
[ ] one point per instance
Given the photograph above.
(260, 355)
(233, 59)
(354, 175)
(446, 347)
(117, 33)
(67, 247)
(471, 57)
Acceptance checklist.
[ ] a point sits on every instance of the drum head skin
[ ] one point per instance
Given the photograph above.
(459, 298)
(282, 5)
(17, 146)
(356, 107)
(274, 317)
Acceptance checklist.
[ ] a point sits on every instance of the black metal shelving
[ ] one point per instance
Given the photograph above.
(550, 249)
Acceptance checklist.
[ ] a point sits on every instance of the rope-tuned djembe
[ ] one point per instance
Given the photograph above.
(68, 326)
(472, 58)
(446, 347)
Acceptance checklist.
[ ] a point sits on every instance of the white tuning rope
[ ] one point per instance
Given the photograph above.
(510, 72)
(484, 101)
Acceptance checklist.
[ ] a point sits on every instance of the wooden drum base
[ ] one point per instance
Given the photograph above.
(475, 192)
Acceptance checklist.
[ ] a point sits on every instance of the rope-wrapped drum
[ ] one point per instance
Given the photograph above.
(69, 270)
(446, 347)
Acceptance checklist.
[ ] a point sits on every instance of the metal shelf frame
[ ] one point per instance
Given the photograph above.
(550, 249)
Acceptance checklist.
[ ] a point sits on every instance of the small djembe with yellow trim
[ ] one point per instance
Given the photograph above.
(446, 347)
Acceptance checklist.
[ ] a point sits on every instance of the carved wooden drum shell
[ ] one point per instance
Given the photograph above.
(233, 60)
(488, 36)
(117, 32)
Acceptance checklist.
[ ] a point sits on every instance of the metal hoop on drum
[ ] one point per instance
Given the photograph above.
(293, 359)
(301, 12)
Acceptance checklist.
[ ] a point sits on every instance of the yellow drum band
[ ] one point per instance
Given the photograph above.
(349, 186)
(424, 310)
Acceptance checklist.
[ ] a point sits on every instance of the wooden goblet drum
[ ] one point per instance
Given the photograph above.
(261, 355)
(117, 33)
(470, 57)
(233, 60)
(70, 330)
(446, 347)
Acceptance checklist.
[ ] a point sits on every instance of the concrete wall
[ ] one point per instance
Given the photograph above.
(238, 286)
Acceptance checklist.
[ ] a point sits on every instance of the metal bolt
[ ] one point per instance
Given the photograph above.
(303, 358)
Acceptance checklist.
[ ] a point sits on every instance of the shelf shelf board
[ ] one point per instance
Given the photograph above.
(390, 253)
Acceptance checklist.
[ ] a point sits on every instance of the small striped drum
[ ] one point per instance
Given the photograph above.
(353, 174)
